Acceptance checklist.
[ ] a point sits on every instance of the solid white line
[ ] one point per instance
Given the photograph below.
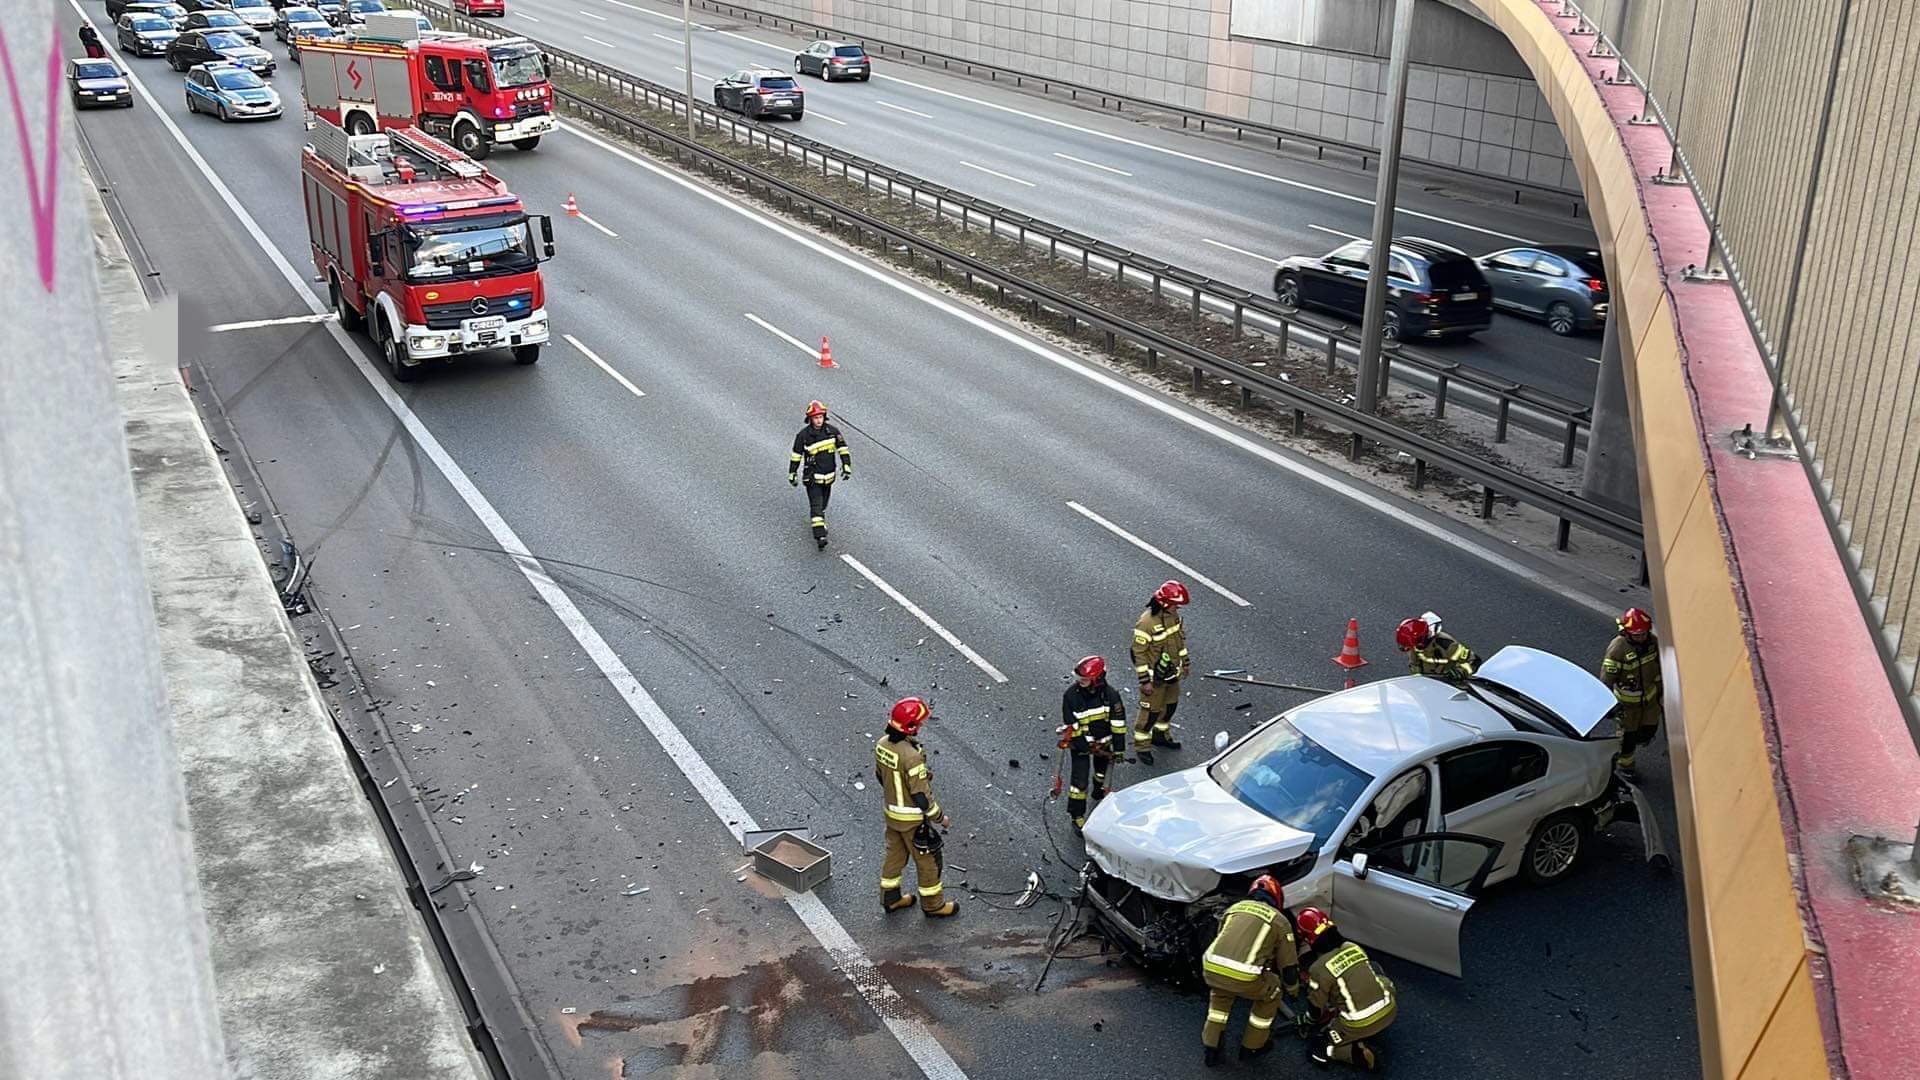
(597, 41)
(591, 15)
(604, 366)
(1091, 164)
(783, 335)
(1388, 508)
(524, 15)
(1001, 175)
(1240, 251)
(1158, 554)
(811, 111)
(1335, 232)
(902, 108)
(913, 1036)
(256, 324)
(913, 609)
(595, 224)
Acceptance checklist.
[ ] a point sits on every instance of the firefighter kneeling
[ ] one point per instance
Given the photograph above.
(1351, 999)
(900, 767)
(1252, 957)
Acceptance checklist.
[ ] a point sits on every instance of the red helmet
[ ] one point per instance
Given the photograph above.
(816, 408)
(1635, 621)
(1312, 923)
(1172, 594)
(1093, 667)
(909, 714)
(1412, 633)
(1266, 885)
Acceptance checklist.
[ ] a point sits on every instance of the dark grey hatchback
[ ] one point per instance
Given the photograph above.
(1562, 285)
(1433, 290)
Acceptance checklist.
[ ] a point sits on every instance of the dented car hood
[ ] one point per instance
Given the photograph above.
(1174, 836)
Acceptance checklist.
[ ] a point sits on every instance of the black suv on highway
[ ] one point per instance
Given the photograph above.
(1433, 290)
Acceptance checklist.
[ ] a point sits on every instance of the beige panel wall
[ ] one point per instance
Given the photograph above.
(1672, 49)
(1712, 80)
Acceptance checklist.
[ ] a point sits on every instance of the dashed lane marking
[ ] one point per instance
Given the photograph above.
(255, 324)
(782, 335)
(1335, 232)
(927, 620)
(1091, 164)
(1189, 571)
(1241, 251)
(604, 366)
(902, 108)
(1001, 175)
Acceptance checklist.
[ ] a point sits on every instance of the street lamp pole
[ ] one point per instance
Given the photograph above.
(1369, 388)
(686, 31)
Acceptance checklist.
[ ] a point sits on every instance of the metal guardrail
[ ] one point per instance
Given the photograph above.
(1494, 478)
(1367, 156)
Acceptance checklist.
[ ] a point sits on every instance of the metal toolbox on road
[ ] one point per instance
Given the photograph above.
(792, 860)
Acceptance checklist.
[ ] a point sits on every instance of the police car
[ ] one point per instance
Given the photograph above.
(230, 92)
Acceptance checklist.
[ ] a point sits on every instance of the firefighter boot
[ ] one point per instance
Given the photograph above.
(1163, 728)
(895, 900)
(1249, 1053)
(1211, 1059)
(944, 911)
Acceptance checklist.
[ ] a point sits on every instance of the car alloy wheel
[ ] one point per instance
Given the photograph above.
(1560, 319)
(1554, 849)
(1390, 329)
(1286, 292)
(222, 112)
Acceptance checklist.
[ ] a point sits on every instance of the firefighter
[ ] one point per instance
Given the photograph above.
(1631, 667)
(1432, 651)
(1094, 730)
(900, 767)
(814, 450)
(1350, 1000)
(1160, 660)
(1253, 957)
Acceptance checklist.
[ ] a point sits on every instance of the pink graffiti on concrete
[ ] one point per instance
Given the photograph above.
(40, 200)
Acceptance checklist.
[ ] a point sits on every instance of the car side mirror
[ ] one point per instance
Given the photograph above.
(1360, 865)
(546, 235)
(375, 260)
(1220, 741)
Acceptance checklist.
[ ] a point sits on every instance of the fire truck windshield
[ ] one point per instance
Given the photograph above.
(467, 249)
(517, 65)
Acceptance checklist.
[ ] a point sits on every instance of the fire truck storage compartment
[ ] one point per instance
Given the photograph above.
(343, 80)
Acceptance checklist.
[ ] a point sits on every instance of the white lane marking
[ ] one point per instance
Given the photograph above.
(1091, 164)
(591, 15)
(670, 37)
(604, 366)
(1241, 251)
(1335, 232)
(912, 1035)
(696, 74)
(927, 620)
(996, 172)
(1465, 544)
(524, 15)
(662, 15)
(783, 335)
(597, 41)
(902, 108)
(811, 111)
(595, 224)
(1189, 571)
(255, 324)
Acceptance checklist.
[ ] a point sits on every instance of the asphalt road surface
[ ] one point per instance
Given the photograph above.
(669, 534)
(1223, 210)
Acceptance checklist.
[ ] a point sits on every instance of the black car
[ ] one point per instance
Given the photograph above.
(353, 12)
(1563, 285)
(204, 5)
(1433, 290)
(308, 33)
(758, 92)
(221, 20)
(834, 60)
(175, 15)
(143, 33)
(295, 16)
(208, 47)
(93, 83)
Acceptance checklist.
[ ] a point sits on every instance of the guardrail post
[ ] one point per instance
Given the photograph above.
(1299, 421)
(1199, 380)
(1333, 354)
(1284, 327)
(1246, 397)
(1195, 290)
(1562, 533)
(1500, 419)
(1239, 310)
(1566, 447)
(1486, 503)
(1153, 359)
(1439, 396)
(1355, 445)
(1419, 473)
(1110, 342)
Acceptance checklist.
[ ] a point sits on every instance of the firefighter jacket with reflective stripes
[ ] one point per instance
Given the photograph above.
(1633, 671)
(1347, 984)
(1159, 645)
(1443, 657)
(1094, 714)
(1255, 941)
(900, 766)
(814, 450)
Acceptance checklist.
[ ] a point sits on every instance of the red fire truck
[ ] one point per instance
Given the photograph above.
(471, 92)
(424, 248)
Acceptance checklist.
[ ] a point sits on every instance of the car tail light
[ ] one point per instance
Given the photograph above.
(1424, 298)
(1594, 284)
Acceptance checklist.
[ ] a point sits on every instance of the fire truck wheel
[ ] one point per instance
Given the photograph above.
(359, 124)
(527, 143)
(469, 141)
(349, 318)
(396, 351)
(526, 354)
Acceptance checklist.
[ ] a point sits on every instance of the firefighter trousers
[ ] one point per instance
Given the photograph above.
(1154, 722)
(1087, 782)
(818, 495)
(1263, 996)
(894, 865)
(1348, 1044)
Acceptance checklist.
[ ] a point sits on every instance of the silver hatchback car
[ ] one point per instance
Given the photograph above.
(1562, 285)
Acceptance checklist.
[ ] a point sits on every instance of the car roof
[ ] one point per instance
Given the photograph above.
(1383, 726)
(1430, 250)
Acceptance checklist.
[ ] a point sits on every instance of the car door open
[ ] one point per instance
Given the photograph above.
(1408, 897)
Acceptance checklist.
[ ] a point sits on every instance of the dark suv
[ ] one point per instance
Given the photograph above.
(1433, 290)
(758, 92)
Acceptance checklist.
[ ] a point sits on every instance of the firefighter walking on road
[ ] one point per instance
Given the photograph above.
(1160, 660)
(1631, 668)
(819, 455)
(1433, 652)
(1350, 999)
(1093, 722)
(1252, 957)
(900, 767)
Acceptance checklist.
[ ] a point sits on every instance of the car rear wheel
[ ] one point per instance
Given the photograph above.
(1286, 292)
(1555, 848)
(1390, 329)
(1560, 319)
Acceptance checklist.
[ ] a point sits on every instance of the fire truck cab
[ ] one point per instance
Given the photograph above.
(424, 248)
(473, 93)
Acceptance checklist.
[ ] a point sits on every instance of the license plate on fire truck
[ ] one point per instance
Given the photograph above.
(487, 330)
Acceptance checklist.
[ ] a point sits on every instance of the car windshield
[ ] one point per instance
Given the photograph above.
(144, 23)
(237, 80)
(223, 18)
(849, 50)
(366, 6)
(225, 41)
(305, 15)
(518, 66)
(457, 251)
(776, 82)
(171, 11)
(99, 70)
(238, 4)
(1285, 775)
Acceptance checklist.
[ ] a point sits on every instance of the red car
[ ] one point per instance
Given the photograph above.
(481, 7)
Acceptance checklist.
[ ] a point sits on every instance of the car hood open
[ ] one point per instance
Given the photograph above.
(1175, 835)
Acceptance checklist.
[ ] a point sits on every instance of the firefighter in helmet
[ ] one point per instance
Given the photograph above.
(1631, 668)
(1433, 652)
(1093, 729)
(1350, 1000)
(1160, 660)
(1252, 957)
(900, 767)
(814, 452)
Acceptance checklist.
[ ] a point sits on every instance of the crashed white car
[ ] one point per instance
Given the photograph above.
(1390, 805)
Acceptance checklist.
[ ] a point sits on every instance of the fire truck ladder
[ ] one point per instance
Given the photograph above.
(387, 156)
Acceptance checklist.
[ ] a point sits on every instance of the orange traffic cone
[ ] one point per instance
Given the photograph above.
(826, 353)
(573, 208)
(1350, 657)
